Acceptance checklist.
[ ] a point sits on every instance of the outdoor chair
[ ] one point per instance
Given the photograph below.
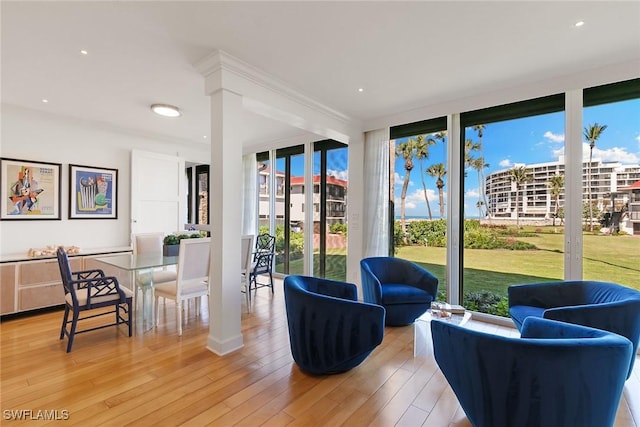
(91, 290)
(601, 305)
(192, 280)
(330, 331)
(402, 287)
(555, 375)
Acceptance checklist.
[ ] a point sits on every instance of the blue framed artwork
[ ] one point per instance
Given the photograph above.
(29, 190)
(93, 192)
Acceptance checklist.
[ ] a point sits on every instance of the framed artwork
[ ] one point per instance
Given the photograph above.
(29, 190)
(93, 192)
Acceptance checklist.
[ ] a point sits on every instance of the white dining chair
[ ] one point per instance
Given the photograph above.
(192, 280)
(246, 248)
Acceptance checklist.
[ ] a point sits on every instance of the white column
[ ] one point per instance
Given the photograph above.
(225, 209)
(454, 208)
(573, 185)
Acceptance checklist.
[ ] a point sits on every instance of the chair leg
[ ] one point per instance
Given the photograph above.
(271, 281)
(129, 317)
(65, 319)
(179, 316)
(74, 323)
(157, 305)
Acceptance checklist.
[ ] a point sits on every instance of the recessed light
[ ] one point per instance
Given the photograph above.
(204, 136)
(166, 110)
(84, 52)
(44, 101)
(360, 89)
(579, 23)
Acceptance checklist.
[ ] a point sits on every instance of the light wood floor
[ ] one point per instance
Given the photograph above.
(158, 378)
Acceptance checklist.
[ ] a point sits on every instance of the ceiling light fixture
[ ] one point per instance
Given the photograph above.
(166, 110)
(579, 23)
(44, 101)
(84, 52)
(360, 89)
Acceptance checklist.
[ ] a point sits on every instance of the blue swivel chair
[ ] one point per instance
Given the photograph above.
(556, 375)
(402, 287)
(601, 305)
(329, 330)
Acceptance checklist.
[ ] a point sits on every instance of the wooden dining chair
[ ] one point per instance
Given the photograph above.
(192, 279)
(90, 290)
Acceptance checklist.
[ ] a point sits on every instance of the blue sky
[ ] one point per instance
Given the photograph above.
(530, 140)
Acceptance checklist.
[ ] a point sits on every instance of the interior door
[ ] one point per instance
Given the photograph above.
(157, 193)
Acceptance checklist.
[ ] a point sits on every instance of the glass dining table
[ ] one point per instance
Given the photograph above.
(141, 266)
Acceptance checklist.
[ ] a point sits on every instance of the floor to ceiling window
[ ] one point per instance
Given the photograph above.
(418, 160)
(330, 184)
(512, 168)
(611, 183)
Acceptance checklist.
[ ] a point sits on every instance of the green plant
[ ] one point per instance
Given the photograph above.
(174, 239)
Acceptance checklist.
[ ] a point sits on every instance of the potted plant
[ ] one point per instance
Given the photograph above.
(171, 243)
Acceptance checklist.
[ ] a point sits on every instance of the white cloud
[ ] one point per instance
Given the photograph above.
(554, 137)
(506, 163)
(638, 139)
(614, 154)
(343, 175)
(409, 205)
(472, 193)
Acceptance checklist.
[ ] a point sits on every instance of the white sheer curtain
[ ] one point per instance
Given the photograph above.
(376, 193)
(249, 195)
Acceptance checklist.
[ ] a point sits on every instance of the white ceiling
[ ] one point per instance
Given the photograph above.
(404, 54)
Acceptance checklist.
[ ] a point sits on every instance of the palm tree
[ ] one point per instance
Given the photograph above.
(519, 176)
(556, 183)
(438, 171)
(407, 151)
(478, 164)
(480, 131)
(591, 134)
(479, 205)
(469, 146)
(422, 152)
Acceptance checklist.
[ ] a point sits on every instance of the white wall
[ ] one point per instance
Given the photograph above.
(32, 135)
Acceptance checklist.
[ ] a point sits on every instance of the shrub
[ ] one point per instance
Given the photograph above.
(338, 228)
(487, 302)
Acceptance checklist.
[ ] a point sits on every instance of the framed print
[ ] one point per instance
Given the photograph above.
(93, 192)
(29, 190)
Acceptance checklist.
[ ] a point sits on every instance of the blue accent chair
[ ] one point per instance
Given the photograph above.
(402, 287)
(329, 330)
(556, 375)
(601, 305)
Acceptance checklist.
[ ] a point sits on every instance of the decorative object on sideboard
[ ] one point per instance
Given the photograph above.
(50, 250)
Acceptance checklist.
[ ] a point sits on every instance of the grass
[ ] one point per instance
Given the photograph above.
(607, 258)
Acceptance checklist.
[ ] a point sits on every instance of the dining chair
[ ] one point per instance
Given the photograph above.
(262, 261)
(148, 244)
(192, 279)
(246, 248)
(88, 290)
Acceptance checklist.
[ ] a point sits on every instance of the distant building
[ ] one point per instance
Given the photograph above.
(611, 184)
(336, 199)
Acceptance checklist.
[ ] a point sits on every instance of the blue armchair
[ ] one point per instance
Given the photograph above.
(402, 287)
(329, 330)
(601, 305)
(556, 375)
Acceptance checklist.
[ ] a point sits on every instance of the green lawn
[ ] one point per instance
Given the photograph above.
(606, 258)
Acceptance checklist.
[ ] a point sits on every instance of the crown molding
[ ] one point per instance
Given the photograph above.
(224, 71)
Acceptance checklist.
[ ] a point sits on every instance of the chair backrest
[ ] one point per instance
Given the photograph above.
(193, 261)
(557, 365)
(265, 243)
(65, 269)
(147, 243)
(246, 247)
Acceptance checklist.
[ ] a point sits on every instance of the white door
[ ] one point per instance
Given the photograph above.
(157, 193)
